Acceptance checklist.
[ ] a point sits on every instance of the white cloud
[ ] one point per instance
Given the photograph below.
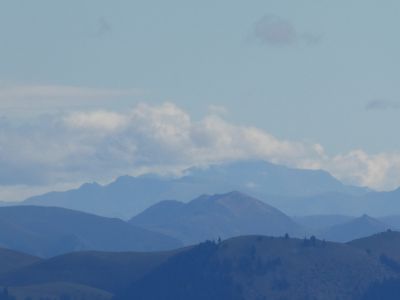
(379, 171)
(101, 145)
(97, 120)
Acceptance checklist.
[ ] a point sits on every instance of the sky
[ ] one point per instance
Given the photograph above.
(92, 89)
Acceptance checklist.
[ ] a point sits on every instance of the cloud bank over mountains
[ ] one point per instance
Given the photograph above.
(99, 145)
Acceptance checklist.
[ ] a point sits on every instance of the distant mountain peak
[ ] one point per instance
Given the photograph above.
(211, 216)
(368, 219)
(229, 200)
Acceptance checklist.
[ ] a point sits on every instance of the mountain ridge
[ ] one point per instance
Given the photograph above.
(127, 196)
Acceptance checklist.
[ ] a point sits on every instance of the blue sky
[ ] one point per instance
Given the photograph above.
(311, 72)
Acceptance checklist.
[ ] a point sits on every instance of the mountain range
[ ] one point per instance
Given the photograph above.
(294, 191)
(49, 231)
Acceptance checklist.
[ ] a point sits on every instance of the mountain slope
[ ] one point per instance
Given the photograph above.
(128, 196)
(211, 217)
(12, 260)
(354, 229)
(252, 268)
(384, 243)
(48, 231)
(102, 270)
(58, 291)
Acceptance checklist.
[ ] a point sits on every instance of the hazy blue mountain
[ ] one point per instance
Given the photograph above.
(210, 217)
(12, 260)
(331, 203)
(265, 178)
(393, 221)
(316, 224)
(48, 231)
(128, 196)
(376, 204)
(381, 203)
(357, 228)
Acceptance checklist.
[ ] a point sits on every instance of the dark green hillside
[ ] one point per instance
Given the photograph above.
(257, 267)
(385, 247)
(384, 243)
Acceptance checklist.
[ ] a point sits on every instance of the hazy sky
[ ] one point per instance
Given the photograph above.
(320, 78)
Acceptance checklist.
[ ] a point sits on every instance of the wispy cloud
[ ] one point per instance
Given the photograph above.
(97, 120)
(274, 30)
(382, 104)
(21, 97)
